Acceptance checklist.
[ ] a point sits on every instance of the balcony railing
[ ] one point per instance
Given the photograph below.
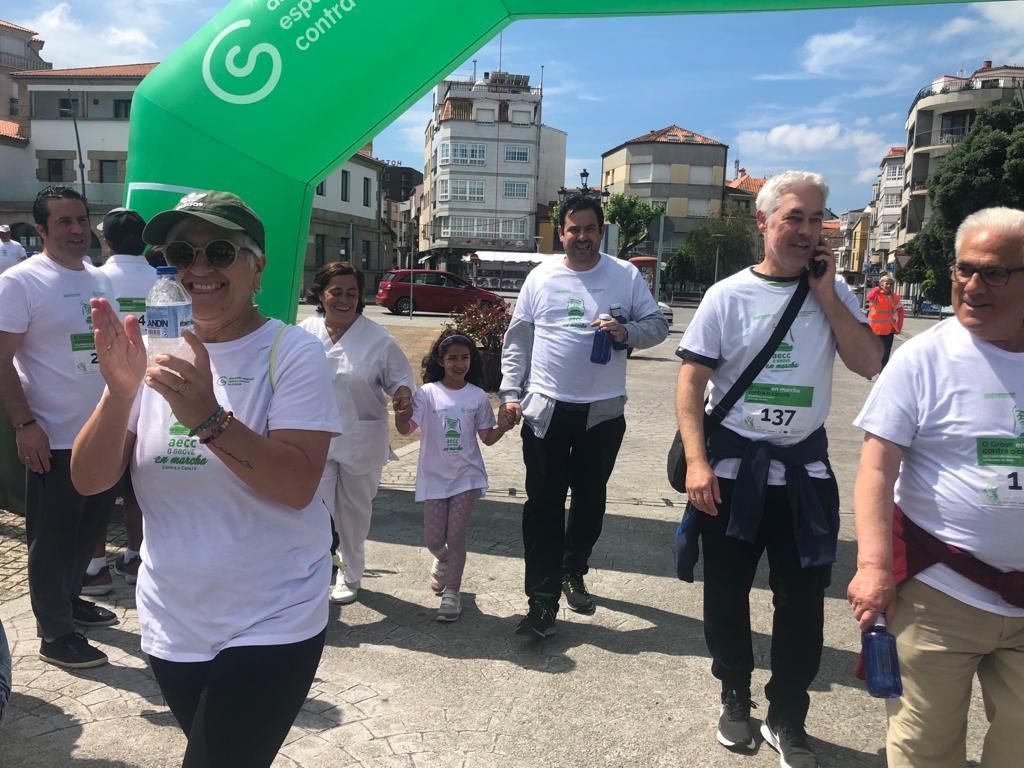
(944, 137)
(918, 185)
(22, 63)
(966, 85)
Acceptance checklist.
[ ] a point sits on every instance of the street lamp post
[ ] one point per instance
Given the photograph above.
(718, 243)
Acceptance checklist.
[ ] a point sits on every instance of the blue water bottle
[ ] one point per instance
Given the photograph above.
(619, 315)
(601, 350)
(881, 666)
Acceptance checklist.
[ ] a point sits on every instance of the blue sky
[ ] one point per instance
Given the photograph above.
(822, 90)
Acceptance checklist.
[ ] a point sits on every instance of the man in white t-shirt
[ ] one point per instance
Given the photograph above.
(131, 276)
(572, 406)
(939, 507)
(11, 251)
(761, 481)
(49, 385)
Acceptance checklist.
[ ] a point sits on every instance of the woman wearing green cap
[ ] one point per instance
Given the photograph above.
(225, 453)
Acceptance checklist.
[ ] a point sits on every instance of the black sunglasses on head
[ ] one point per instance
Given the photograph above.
(220, 254)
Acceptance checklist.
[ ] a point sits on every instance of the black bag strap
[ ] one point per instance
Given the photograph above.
(725, 405)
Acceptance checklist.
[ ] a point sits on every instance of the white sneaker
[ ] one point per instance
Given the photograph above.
(437, 574)
(451, 607)
(343, 593)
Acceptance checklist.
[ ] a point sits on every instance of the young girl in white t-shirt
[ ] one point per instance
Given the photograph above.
(452, 411)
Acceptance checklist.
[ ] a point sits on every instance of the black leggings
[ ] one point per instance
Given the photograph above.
(236, 709)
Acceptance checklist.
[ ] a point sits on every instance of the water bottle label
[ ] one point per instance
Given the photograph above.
(168, 321)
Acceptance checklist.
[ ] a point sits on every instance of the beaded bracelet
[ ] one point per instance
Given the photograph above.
(214, 418)
(218, 428)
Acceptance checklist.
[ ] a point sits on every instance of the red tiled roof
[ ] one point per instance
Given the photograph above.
(673, 134)
(9, 130)
(118, 70)
(896, 152)
(746, 183)
(8, 25)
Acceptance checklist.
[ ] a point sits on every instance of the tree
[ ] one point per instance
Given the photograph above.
(694, 262)
(985, 169)
(633, 217)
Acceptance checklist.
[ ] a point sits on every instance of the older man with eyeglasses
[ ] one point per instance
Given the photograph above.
(939, 506)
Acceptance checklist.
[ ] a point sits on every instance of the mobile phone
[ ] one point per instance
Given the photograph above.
(818, 268)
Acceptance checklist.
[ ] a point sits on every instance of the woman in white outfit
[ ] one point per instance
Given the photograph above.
(367, 367)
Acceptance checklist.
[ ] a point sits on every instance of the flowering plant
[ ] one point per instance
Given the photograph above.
(484, 325)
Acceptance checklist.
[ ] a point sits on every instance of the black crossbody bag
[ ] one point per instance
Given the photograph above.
(676, 463)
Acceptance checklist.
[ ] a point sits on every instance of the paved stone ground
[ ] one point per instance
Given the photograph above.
(628, 686)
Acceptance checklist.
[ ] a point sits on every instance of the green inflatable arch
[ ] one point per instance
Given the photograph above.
(272, 95)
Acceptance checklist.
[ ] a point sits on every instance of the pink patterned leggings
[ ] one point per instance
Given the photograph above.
(445, 523)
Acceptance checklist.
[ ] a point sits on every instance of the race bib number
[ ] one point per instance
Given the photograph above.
(778, 409)
(83, 349)
(1001, 465)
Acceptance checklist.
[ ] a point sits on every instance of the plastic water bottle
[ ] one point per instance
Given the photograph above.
(881, 666)
(619, 315)
(601, 351)
(168, 316)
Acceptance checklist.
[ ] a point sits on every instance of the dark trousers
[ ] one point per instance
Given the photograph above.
(886, 347)
(798, 596)
(568, 456)
(236, 709)
(62, 527)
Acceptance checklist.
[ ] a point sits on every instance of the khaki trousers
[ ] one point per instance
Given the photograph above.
(942, 643)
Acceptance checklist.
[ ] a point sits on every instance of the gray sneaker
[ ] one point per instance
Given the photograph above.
(790, 741)
(734, 728)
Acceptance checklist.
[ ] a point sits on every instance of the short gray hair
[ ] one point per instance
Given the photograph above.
(773, 190)
(1007, 221)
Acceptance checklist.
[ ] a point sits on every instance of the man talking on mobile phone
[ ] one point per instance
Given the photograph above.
(762, 480)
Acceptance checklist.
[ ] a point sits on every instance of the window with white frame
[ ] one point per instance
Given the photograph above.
(521, 117)
(482, 227)
(463, 153)
(484, 115)
(460, 191)
(517, 153)
(891, 200)
(518, 189)
(700, 174)
(647, 173)
(893, 172)
(698, 207)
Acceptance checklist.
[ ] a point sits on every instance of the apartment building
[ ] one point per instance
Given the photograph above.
(940, 116)
(19, 52)
(885, 208)
(675, 166)
(854, 226)
(488, 161)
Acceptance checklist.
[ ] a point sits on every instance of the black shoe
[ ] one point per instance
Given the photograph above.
(91, 615)
(540, 619)
(734, 729)
(790, 741)
(72, 651)
(576, 595)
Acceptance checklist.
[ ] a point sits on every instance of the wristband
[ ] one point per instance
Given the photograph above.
(214, 418)
(24, 424)
(218, 428)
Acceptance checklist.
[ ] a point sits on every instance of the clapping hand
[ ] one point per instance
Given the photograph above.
(187, 387)
(119, 349)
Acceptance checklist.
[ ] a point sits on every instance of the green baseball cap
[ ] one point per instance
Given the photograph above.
(222, 209)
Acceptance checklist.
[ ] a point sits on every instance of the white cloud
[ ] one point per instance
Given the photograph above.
(801, 142)
(955, 28)
(70, 42)
(866, 175)
(862, 122)
(830, 54)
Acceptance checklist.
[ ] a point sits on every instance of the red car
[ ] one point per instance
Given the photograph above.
(430, 291)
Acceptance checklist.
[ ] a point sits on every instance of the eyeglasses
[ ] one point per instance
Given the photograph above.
(993, 277)
(220, 254)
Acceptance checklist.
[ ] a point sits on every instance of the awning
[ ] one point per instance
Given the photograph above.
(507, 257)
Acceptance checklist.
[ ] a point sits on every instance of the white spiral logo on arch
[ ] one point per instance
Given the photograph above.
(230, 63)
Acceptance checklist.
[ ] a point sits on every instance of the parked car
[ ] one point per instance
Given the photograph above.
(430, 290)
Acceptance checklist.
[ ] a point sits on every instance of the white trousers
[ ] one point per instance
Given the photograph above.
(350, 500)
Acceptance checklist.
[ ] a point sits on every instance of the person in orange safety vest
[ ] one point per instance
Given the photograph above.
(885, 313)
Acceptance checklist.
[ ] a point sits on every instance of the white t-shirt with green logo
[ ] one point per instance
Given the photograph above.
(955, 404)
(791, 396)
(562, 303)
(132, 277)
(57, 361)
(450, 461)
(222, 565)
